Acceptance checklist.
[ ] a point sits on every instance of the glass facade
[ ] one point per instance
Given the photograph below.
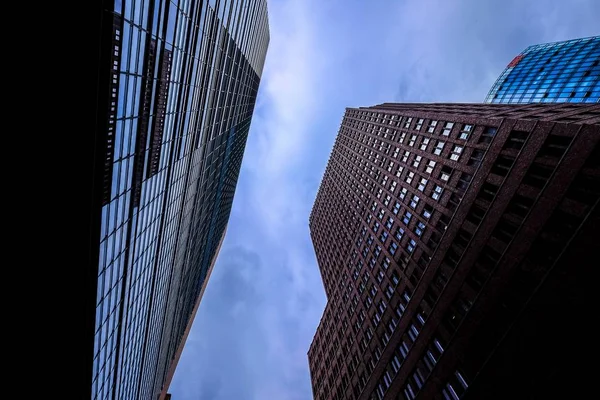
(183, 78)
(553, 72)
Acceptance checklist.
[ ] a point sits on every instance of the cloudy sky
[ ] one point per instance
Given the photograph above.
(265, 296)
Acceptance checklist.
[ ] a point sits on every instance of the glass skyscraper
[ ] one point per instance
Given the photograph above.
(566, 71)
(178, 82)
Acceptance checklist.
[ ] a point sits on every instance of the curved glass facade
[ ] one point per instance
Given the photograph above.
(553, 72)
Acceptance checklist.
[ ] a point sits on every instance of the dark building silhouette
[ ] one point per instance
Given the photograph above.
(177, 86)
(566, 71)
(456, 243)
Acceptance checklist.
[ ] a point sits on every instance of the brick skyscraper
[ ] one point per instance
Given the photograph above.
(455, 243)
(177, 85)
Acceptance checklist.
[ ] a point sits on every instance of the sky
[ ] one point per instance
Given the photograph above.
(265, 297)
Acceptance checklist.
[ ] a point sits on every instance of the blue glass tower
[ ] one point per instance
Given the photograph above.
(566, 71)
(177, 86)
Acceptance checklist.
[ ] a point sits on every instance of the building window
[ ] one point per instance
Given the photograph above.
(396, 208)
(424, 144)
(407, 122)
(419, 124)
(417, 161)
(466, 131)
(385, 263)
(430, 166)
(409, 177)
(393, 247)
(383, 237)
(516, 140)
(447, 128)
(406, 217)
(437, 192)
(403, 193)
(413, 138)
(487, 135)
(405, 156)
(410, 247)
(414, 201)
(389, 223)
(456, 151)
(476, 157)
(446, 173)
(420, 228)
(502, 165)
(399, 233)
(438, 148)
(432, 126)
(422, 184)
(427, 211)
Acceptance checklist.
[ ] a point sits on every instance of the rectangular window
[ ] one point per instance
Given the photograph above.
(406, 218)
(422, 184)
(502, 165)
(424, 144)
(437, 192)
(399, 233)
(430, 166)
(432, 126)
(487, 135)
(516, 140)
(419, 124)
(414, 201)
(447, 128)
(456, 151)
(417, 161)
(466, 131)
(438, 148)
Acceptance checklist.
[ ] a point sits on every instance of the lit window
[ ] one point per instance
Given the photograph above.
(403, 193)
(437, 192)
(438, 148)
(432, 126)
(445, 173)
(396, 208)
(456, 151)
(399, 233)
(405, 156)
(447, 128)
(392, 249)
(409, 177)
(389, 223)
(424, 144)
(413, 138)
(422, 184)
(419, 228)
(407, 122)
(417, 161)
(399, 171)
(419, 124)
(430, 166)
(466, 131)
(407, 216)
(414, 201)
(410, 247)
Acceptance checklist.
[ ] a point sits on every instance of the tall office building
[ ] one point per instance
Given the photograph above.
(455, 243)
(177, 88)
(566, 71)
